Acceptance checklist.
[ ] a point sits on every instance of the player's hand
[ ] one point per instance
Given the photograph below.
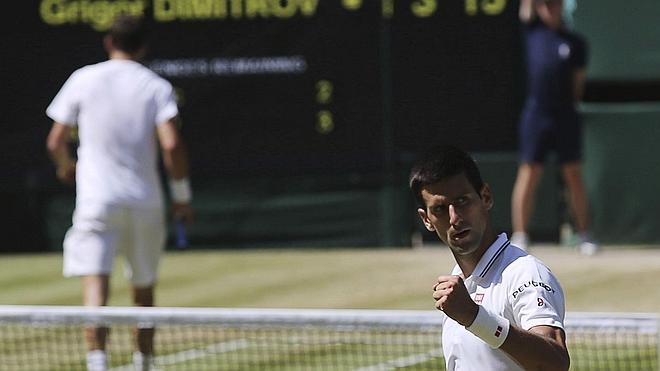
(451, 296)
(67, 173)
(183, 212)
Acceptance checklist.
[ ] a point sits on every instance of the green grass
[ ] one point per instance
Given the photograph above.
(264, 348)
(615, 281)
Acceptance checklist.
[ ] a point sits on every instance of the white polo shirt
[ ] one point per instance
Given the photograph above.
(116, 105)
(509, 282)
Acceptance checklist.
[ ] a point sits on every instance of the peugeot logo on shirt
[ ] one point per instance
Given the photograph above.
(524, 286)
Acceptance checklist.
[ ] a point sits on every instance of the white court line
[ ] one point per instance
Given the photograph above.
(189, 355)
(403, 361)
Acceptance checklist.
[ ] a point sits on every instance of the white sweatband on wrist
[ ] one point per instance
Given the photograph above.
(180, 190)
(491, 328)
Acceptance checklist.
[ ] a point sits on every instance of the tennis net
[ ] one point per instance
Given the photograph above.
(50, 338)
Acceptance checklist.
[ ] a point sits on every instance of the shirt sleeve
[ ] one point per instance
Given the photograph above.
(166, 106)
(66, 105)
(537, 297)
(580, 53)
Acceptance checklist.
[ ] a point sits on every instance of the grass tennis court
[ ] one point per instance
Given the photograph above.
(618, 280)
(286, 339)
(213, 348)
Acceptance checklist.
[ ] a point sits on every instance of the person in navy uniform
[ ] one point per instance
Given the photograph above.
(556, 61)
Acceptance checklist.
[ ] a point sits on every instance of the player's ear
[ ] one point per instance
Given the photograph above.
(487, 196)
(425, 219)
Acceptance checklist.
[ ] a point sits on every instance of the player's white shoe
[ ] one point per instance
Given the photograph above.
(97, 360)
(520, 239)
(589, 248)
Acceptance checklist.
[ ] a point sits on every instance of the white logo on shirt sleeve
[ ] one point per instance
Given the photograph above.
(564, 51)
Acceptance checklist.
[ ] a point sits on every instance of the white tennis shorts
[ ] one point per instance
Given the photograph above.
(101, 232)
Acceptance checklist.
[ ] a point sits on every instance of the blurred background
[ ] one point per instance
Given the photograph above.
(303, 117)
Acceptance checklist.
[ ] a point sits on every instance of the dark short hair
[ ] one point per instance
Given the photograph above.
(128, 33)
(439, 163)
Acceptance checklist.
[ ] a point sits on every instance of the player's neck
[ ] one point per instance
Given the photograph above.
(122, 55)
(468, 263)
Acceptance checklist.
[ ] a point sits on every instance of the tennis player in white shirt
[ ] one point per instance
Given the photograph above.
(504, 308)
(124, 113)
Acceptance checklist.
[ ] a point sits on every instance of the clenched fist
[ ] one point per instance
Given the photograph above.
(451, 296)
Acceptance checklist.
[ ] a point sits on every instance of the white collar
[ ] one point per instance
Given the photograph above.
(488, 259)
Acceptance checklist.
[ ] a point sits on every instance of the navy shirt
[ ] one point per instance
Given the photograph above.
(552, 56)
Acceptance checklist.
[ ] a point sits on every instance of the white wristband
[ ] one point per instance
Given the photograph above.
(181, 191)
(491, 328)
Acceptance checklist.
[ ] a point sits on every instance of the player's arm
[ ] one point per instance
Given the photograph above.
(58, 149)
(540, 348)
(579, 82)
(526, 12)
(175, 160)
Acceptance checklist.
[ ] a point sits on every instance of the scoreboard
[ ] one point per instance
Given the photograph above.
(280, 86)
(273, 88)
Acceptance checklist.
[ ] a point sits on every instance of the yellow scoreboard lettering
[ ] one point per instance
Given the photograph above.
(488, 7)
(99, 14)
(52, 12)
(471, 7)
(493, 7)
(387, 8)
(208, 9)
(170, 10)
(253, 9)
(352, 4)
(284, 9)
(164, 10)
(424, 8)
(308, 7)
(325, 123)
(324, 90)
(236, 9)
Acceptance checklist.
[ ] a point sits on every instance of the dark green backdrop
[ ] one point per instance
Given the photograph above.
(315, 150)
